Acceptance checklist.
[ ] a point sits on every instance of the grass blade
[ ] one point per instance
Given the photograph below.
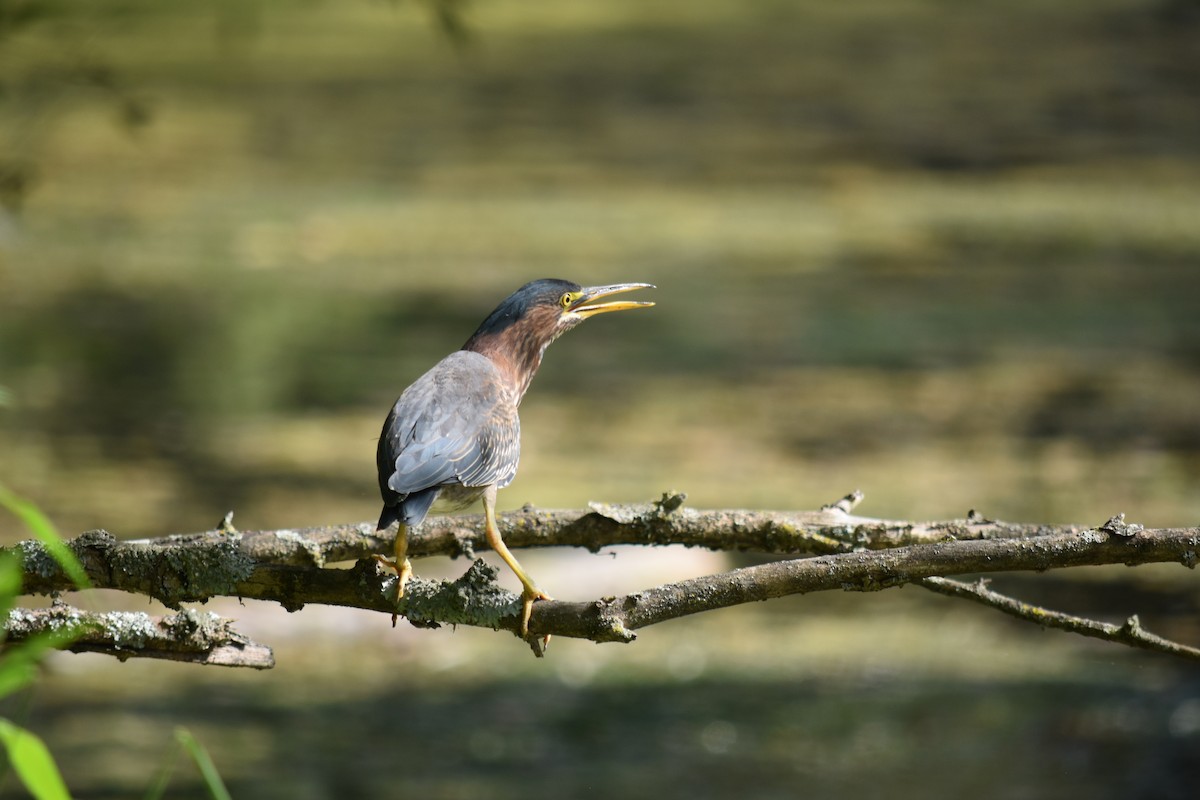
(42, 528)
(32, 762)
(208, 770)
(19, 666)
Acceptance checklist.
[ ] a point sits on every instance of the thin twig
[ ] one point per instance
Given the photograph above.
(1130, 633)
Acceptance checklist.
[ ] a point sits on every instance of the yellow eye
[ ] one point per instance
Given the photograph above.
(567, 299)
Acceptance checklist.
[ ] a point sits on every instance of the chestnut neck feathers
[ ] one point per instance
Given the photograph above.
(515, 335)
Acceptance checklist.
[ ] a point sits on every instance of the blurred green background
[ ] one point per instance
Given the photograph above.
(945, 253)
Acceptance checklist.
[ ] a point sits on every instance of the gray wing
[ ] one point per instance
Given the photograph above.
(457, 424)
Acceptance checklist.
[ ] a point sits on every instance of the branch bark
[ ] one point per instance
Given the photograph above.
(193, 636)
(665, 521)
(1130, 633)
(857, 554)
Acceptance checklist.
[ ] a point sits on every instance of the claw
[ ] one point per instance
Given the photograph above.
(528, 597)
(403, 570)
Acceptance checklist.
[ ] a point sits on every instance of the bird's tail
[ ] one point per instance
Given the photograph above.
(389, 515)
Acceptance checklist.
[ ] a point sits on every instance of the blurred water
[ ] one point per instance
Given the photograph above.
(945, 255)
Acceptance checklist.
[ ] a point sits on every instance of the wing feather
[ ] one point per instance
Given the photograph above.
(456, 425)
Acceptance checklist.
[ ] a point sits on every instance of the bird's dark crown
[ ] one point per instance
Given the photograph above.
(540, 294)
(515, 335)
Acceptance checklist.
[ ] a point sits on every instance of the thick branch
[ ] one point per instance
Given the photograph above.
(615, 618)
(831, 529)
(194, 636)
(194, 568)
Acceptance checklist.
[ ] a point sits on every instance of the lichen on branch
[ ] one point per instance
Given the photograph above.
(829, 549)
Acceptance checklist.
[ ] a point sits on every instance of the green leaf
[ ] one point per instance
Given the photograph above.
(18, 667)
(43, 529)
(33, 763)
(15, 675)
(10, 584)
(208, 770)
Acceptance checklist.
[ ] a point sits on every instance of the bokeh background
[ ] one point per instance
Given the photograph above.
(945, 253)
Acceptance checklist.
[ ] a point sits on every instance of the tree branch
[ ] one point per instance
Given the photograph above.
(194, 636)
(1131, 633)
(859, 554)
(663, 522)
(615, 618)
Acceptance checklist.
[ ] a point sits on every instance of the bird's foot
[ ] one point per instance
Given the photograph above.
(529, 596)
(403, 570)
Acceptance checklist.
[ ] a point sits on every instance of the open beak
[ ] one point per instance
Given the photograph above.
(586, 306)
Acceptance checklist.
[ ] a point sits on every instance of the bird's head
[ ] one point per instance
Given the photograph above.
(532, 317)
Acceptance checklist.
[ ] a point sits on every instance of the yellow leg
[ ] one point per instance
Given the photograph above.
(401, 565)
(530, 593)
(400, 547)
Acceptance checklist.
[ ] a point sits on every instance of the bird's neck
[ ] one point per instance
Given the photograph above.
(517, 362)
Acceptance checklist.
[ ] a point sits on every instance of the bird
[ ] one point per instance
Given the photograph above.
(453, 437)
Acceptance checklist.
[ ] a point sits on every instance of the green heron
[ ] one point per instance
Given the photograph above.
(453, 436)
